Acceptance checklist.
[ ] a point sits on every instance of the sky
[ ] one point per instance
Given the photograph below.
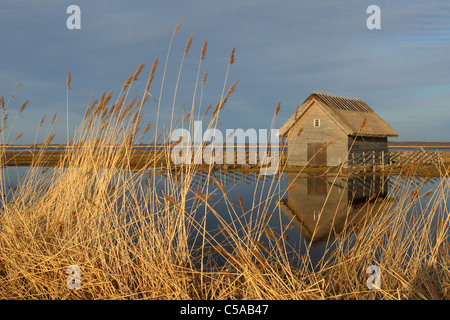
(284, 51)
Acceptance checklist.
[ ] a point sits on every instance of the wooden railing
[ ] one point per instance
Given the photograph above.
(380, 161)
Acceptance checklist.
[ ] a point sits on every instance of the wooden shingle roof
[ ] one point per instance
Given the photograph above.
(352, 115)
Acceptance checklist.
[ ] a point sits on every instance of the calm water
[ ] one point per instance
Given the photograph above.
(306, 210)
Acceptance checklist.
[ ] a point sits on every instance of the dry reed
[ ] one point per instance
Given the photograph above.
(135, 240)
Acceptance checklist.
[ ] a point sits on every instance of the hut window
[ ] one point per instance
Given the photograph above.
(316, 122)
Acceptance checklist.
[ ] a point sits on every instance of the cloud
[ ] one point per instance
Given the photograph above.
(284, 51)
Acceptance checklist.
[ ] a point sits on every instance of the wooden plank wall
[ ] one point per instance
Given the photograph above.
(304, 132)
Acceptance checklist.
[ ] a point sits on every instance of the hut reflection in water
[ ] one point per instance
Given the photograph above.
(323, 206)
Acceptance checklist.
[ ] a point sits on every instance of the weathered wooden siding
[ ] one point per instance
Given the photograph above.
(327, 131)
(363, 148)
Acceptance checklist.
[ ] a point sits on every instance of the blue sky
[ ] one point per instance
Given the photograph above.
(284, 51)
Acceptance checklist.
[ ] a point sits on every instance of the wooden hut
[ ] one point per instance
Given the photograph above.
(328, 130)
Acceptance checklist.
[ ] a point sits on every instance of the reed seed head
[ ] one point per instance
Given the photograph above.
(42, 120)
(138, 71)
(50, 139)
(152, 74)
(207, 109)
(23, 106)
(229, 92)
(204, 77)
(89, 109)
(147, 128)
(54, 119)
(232, 56)
(277, 109)
(363, 124)
(68, 80)
(205, 44)
(128, 81)
(177, 27)
(188, 45)
(18, 136)
(186, 116)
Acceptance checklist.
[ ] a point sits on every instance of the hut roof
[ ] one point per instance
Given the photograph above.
(352, 115)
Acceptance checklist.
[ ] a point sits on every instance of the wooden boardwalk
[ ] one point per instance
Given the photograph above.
(247, 162)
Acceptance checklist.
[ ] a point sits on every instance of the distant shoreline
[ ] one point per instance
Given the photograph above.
(412, 146)
(418, 144)
(391, 144)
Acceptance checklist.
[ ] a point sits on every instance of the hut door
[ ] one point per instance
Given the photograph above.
(317, 155)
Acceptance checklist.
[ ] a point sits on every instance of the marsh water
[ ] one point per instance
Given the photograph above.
(308, 211)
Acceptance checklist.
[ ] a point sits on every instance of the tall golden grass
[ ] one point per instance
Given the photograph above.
(131, 232)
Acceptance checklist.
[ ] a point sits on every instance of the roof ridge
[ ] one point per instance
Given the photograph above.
(343, 103)
(332, 95)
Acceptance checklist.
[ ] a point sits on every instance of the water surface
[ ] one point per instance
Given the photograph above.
(308, 211)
